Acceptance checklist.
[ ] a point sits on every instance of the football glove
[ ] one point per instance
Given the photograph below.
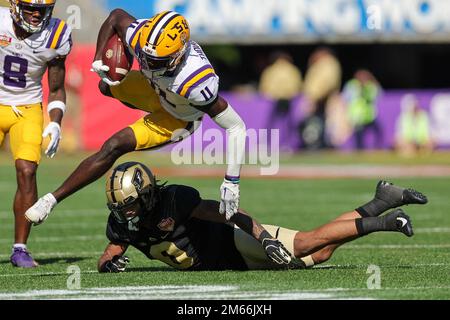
(276, 251)
(116, 264)
(99, 68)
(229, 202)
(54, 130)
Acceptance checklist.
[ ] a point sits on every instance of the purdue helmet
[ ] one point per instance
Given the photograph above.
(163, 41)
(130, 191)
(45, 7)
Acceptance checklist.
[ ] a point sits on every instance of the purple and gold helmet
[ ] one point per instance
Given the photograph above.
(45, 7)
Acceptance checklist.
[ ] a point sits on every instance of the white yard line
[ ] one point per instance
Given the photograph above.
(166, 292)
(198, 292)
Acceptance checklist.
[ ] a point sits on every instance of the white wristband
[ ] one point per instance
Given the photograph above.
(56, 105)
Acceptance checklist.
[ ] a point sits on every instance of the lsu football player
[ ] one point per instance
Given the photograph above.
(31, 42)
(173, 224)
(176, 85)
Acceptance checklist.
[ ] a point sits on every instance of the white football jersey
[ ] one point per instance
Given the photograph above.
(24, 62)
(193, 83)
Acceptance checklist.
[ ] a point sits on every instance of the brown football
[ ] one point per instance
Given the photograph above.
(117, 58)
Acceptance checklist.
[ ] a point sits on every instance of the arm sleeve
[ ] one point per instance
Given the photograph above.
(236, 132)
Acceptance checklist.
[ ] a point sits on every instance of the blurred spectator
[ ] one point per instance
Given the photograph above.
(281, 81)
(413, 128)
(322, 81)
(361, 94)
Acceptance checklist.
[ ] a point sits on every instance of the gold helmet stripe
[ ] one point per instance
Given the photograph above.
(159, 25)
(154, 21)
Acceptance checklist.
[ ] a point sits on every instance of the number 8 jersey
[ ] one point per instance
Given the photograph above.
(24, 62)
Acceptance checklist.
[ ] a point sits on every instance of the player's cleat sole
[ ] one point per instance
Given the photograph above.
(411, 196)
(395, 196)
(402, 222)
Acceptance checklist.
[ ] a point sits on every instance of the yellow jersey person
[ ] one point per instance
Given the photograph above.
(176, 85)
(31, 42)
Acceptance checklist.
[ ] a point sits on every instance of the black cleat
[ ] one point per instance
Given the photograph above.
(411, 196)
(402, 222)
(396, 196)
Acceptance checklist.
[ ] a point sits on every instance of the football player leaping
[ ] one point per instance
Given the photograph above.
(176, 84)
(173, 224)
(31, 41)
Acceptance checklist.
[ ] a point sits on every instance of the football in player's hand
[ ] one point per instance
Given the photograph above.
(117, 58)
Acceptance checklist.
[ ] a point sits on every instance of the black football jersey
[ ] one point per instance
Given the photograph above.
(170, 235)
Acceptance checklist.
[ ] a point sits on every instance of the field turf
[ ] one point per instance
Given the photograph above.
(74, 236)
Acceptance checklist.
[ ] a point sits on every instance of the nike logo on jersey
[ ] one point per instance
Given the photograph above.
(403, 220)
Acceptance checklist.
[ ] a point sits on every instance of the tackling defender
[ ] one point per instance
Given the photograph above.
(31, 41)
(174, 225)
(176, 85)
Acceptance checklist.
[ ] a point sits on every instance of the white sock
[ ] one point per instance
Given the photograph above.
(19, 246)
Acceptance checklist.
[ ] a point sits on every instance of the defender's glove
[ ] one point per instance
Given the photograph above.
(54, 130)
(101, 69)
(229, 203)
(116, 264)
(276, 251)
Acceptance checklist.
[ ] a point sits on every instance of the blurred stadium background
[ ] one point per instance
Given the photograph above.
(357, 88)
(404, 45)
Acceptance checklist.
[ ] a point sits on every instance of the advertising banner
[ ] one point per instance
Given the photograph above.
(300, 21)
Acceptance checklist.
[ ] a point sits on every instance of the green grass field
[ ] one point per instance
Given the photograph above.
(74, 235)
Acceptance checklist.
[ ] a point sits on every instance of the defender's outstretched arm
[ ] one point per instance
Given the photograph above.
(207, 210)
(112, 259)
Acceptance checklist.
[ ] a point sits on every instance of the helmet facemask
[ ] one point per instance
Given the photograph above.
(19, 8)
(160, 65)
(131, 192)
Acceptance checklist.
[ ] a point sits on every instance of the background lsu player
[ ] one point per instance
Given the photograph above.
(31, 41)
(176, 84)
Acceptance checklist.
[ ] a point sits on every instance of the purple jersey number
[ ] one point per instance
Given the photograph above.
(14, 78)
